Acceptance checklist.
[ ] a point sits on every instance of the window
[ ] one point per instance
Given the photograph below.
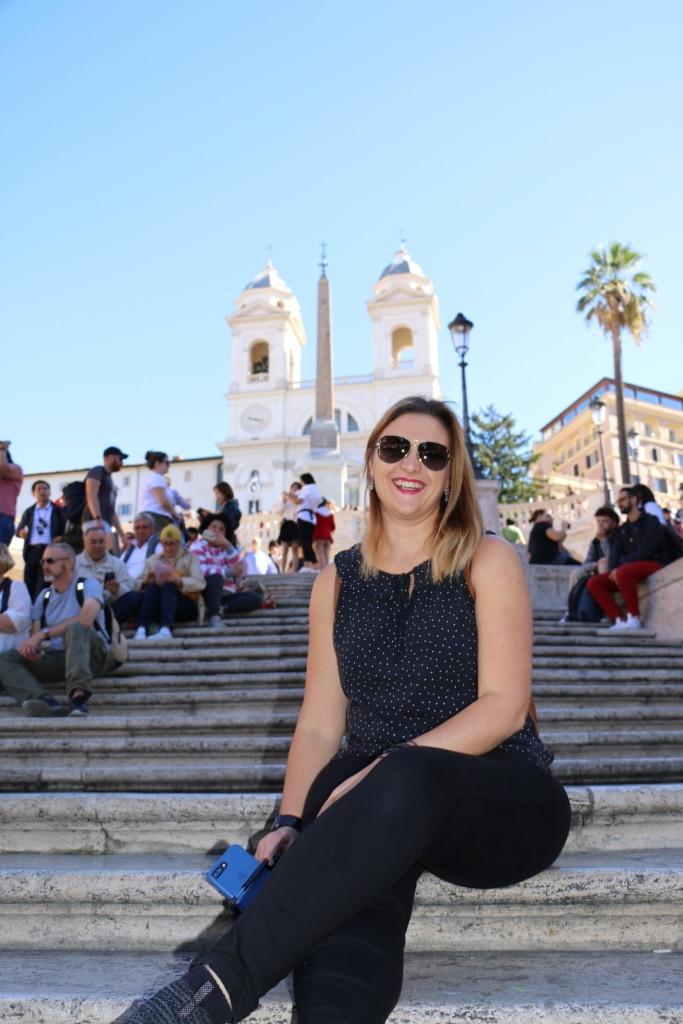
(125, 482)
(125, 510)
(650, 430)
(351, 424)
(679, 459)
(661, 485)
(673, 437)
(577, 471)
(259, 361)
(402, 351)
(591, 460)
(187, 475)
(655, 455)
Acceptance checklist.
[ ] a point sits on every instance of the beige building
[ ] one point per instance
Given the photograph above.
(569, 452)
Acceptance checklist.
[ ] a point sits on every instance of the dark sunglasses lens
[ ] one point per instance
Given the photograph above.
(392, 448)
(434, 456)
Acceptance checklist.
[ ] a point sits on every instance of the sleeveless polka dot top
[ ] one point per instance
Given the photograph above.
(408, 662)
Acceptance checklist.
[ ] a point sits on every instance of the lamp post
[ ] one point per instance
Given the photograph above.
(633, 442)
(460, 328)
(598, 412)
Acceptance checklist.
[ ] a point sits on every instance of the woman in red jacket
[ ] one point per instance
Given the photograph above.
(322, 532)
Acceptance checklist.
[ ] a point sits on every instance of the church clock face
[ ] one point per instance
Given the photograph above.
(255, 419)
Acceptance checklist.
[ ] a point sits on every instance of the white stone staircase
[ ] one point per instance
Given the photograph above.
(106, 825)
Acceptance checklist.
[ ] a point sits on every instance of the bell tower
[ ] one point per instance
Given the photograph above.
(267, 340)
(404, 312)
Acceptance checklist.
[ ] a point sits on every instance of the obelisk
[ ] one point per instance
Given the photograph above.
(324, 433)
(325, 461)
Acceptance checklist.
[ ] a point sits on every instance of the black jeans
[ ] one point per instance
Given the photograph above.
(165, 604)
(305, 534)
(241, 601)
(33, 570)
(336, 907)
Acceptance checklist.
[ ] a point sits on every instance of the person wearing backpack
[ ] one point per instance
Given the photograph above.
(68, 644)
(40, 524)
(100, 495)
(15, 605)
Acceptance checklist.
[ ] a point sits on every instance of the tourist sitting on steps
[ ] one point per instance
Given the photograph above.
(639, 550)
(96, 563)
(546, 545)
(171, 584)
(15, 605)
(222, 566)
(581, 606)
(414, 750)
(144, 545)
(68, 642)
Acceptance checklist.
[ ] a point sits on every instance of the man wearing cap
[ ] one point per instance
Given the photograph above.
(100, 495)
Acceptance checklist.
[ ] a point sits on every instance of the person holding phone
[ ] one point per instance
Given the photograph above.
(415, 749)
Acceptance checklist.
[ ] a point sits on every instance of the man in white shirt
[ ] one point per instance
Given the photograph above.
(258, 563)
(40, 525)
(145, 545)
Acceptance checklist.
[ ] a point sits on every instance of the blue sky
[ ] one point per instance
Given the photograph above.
(152, 151)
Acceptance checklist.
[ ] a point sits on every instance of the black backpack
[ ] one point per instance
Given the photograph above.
(6, 587)
(112, 633)
(74, 500)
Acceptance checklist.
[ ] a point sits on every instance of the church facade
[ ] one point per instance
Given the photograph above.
(271, 409)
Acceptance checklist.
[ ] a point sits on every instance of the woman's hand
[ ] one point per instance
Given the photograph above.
(347, 785)
(275, 843)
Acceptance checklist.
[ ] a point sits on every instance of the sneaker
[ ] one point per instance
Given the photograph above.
(633, 622)
(216, 622)
(164, 633)
(617, 626)
(43, 707)
(79, 708)
(194, 998)
(140, 633)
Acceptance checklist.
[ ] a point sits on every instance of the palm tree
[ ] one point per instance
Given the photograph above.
(615, 291)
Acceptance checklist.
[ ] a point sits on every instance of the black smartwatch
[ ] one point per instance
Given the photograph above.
(288, 820)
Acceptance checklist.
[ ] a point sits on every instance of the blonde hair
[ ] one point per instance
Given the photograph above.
(459, 528)
(6, 560)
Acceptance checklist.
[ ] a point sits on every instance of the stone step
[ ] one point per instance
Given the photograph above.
(604, 818)
(254, 774)
(453, 988)
(268, 711)
(190, 666)
(600, 902)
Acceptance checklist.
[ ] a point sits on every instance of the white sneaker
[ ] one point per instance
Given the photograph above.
(633, 622)
(140, 633)
(164, 634)
(216, 622)
(617, 627)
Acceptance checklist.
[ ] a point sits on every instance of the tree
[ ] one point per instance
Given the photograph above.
(615, 291)
(503, 454)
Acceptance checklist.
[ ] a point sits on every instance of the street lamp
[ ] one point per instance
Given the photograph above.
(633, 442)
(598, 412)
(460, 329)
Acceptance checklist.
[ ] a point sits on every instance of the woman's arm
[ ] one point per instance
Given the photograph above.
(322, 718)
(161, 495)
(505, 638)
(17, 618)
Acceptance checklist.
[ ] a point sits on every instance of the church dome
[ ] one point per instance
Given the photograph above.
(402, 263)
(268, 278)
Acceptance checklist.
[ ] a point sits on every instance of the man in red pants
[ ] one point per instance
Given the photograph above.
(637, 552)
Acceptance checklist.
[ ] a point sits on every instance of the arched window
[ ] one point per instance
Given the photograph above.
(308, 426)
(259, 360)
(352, 424)
(402, 351)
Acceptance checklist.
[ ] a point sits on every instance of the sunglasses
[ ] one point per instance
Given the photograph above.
(392, 448)
(51, 561)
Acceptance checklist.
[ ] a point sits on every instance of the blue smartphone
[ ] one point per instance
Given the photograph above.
(237, 876)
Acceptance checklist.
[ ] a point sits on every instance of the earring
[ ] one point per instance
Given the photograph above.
(371, 484)
(446, 492)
